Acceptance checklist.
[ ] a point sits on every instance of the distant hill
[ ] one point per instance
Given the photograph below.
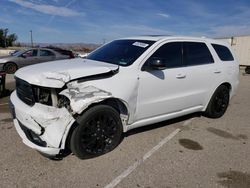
(81, 47)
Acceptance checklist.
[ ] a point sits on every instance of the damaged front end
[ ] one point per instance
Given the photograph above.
(44, 115)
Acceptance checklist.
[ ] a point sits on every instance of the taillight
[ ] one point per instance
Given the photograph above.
(71, 55)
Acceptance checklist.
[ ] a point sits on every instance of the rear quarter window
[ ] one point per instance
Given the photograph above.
(223, 52)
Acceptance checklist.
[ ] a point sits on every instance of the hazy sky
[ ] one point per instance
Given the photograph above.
(92, 21)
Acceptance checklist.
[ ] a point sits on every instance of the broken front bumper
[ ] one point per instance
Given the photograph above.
(41, 127)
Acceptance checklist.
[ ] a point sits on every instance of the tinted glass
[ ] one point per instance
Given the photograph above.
(197, 53)
(170, 54)
(121, 52)
(223, 52)
(46, 53)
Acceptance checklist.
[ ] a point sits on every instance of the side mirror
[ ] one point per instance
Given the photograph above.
(156, 64)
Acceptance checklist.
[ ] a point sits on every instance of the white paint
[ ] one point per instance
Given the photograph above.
(54, 74)
(82, 95)
(163, 117)
(131, 168)
(53, 120)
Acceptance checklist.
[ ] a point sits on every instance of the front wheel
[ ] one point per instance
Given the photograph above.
(218, 103)
(99, 131)
(10, 68)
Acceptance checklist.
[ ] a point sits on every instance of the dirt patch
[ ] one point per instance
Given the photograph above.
(190, 144)
(234, 179)
(226, 134)
(242, 136)
(4, 107)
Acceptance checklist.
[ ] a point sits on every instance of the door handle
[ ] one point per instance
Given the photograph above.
(217, 71)
(180, 76)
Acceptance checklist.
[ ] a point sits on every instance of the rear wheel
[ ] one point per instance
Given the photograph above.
(218, 103)
(99, 131)
(10, 68)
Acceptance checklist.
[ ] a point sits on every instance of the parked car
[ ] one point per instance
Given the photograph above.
(22, 58)
(82, 55)
(13, 52)
(68, 53)
(85, 105)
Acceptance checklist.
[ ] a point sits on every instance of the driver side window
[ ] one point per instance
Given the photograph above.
(30, 53)
(170, 54)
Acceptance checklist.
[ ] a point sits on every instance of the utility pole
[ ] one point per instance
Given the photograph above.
(31, 38)
(5, 37)
(104, 41)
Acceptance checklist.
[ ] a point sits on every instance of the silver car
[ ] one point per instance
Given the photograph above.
(10, 64)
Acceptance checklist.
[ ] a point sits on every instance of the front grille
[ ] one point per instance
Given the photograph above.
(24, 92)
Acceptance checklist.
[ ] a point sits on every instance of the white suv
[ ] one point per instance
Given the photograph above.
(84, 105)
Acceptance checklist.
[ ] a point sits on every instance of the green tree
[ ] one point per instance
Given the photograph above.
(5, 39)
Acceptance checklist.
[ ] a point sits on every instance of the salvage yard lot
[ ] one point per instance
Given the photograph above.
(204, 153)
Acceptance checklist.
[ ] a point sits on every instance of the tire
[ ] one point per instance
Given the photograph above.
(10, 68)
(99, 131)
(218, 103)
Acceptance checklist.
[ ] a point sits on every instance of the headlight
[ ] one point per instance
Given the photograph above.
(50, 97)
(43, 95)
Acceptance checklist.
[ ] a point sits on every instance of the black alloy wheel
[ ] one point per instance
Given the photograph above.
(10, 68)
(99, 131)
(218, 103)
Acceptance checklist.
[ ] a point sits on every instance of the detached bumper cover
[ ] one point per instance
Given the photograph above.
(41, 127)
(26, 141)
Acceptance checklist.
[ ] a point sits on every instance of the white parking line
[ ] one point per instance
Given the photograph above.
(3, 104)
(131, 168)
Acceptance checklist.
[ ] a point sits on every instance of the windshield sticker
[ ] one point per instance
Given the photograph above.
(140, 44)
(122, 63)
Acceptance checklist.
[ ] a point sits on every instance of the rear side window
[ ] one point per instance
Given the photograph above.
(170, 53)
(46, 53)
(223, 52)
(197, 53)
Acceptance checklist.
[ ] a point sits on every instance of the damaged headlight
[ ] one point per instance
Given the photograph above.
(51, 97)
(43, 95)
(64, 102)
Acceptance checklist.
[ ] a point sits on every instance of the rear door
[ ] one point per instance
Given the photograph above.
(201, 71)
(46, 55)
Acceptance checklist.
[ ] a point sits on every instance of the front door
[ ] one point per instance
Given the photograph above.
(28, 58)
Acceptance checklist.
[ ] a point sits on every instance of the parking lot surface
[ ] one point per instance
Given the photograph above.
(192, 151)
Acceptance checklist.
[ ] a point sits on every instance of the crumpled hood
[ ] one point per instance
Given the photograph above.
(56, 73)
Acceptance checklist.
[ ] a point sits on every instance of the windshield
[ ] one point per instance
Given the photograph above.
(121, 52)
(17, 53)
